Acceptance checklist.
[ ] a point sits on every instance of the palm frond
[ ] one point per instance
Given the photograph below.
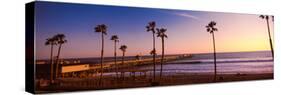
(262, 16)
(97, 28)
(152, 52)
(151, 26)
(60, 38)
(48, 42)
(211, 27)
(123, 48)
(161, 32)
(114, 37)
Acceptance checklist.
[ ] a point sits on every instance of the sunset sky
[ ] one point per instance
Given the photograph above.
(185, 29)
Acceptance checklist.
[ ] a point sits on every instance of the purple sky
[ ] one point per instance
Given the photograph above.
(185, 29)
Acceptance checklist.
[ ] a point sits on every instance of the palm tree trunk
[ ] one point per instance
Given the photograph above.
(215, 61)
(58, 56)
(270, 41)
(154, 55)
(162, 58)
(115, 59)
(52, 66)
(101, 63)
(122, 75)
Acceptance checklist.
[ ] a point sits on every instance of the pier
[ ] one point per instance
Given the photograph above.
(127, 66)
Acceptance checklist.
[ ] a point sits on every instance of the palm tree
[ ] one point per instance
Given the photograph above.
(211, 28)
(52, 42)
(162, 35)
(153, 52)
(60, 40)
(266, 17)
(101, 29)
(123, 49)
(115, 39)
(151, 27)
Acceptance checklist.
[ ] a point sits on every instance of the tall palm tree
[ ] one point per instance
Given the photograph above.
(60, 40)
(151, 27)
(51, 41)
(211, 29)
(162, 35)
(123, 49)
(115, 39)
(266, 17)
(101, 29)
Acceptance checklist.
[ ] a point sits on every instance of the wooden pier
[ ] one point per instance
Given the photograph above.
(128, 66)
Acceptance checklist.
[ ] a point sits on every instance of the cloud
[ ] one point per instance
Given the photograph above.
(182, 14)
(187, 15)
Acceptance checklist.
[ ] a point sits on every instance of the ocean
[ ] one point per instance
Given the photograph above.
(257, 62)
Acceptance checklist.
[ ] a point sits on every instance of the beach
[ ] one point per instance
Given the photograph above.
(110, 82)
(176, 71)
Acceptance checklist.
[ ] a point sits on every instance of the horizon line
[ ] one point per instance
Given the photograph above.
(156, 55)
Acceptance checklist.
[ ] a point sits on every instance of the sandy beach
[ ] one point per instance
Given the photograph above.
(111, 82)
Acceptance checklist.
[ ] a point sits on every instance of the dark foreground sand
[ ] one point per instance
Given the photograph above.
(111, 82)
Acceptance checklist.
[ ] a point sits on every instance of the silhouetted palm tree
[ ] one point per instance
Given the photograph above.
(115, 39)
(152, 52)
(211, 29)
(61, 40)
(162, 35)
(51, 41)
(151, 27)
(101, 29)
(266, 17)
(123, 49)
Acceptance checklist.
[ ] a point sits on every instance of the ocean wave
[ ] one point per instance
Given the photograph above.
(221, 61)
